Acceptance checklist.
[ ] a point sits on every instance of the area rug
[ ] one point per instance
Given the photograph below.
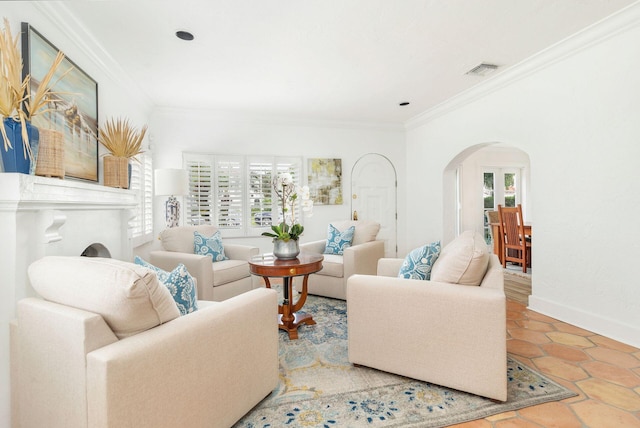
(320, 388)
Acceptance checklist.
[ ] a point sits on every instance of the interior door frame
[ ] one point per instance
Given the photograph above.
(395, 193)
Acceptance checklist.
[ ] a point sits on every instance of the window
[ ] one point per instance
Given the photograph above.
(141, 226)
(501, 186)
(234, 192)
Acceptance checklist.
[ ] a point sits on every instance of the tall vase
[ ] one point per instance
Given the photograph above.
(286, 250)
(14, 159)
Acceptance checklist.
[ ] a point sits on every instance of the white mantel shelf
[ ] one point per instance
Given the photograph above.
(34, 192)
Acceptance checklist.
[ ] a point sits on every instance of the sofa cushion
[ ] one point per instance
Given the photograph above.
(338, 241)
(332, 265)
(180, 284)
(229, 270)
(209, 246)
(128, 297)
(418, 263)
(463, 261)
(366, 230)
(180, 239)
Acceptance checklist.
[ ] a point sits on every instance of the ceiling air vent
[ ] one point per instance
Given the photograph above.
(483, 69)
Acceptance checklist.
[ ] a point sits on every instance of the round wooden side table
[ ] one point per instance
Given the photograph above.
(304, 265)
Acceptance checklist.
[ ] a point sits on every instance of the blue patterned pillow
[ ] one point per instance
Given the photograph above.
(209, 246)
(338, 241)
(418, 263)
(180, 284)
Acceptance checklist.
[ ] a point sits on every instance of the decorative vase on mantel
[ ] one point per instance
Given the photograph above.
(286, 250)
(116, 171)
(14, 159)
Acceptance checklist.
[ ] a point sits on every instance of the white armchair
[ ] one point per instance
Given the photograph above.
(361, 258)
(217, 281)
(450, 330)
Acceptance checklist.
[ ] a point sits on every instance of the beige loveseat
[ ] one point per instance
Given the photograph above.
(362, 257)
(217, 281)
(445, 331)
(118, 354)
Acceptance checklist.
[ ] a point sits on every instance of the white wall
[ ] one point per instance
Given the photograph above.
(117, 96)
(175, 131)
(574, 109)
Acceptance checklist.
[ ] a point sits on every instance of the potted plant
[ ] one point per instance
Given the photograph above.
(124, 142)
(285, 236)
(18, 107)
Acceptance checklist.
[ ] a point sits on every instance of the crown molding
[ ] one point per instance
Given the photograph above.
(617, 23)
(79, 35)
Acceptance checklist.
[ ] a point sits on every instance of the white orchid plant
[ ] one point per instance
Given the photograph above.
(287, 192)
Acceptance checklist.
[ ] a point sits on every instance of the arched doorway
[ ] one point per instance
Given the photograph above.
(464, 190)
(374, 196)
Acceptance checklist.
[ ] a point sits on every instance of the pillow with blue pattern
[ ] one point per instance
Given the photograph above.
(418, 263)
(338, 241)
(180, 283)
(211, 246)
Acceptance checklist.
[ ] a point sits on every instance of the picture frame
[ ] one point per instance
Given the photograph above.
(325, 180)
(76, 112)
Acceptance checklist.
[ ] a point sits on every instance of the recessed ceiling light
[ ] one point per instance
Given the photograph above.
(404, 103)
(184, 35)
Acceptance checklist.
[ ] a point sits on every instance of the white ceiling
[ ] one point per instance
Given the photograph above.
(346, 60)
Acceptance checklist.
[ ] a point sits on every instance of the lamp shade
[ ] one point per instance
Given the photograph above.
(171, 182)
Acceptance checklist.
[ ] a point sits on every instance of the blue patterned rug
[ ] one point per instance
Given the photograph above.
(320, 388)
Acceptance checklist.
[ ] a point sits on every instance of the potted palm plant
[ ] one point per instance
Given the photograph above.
(124, 142)
(18, 107)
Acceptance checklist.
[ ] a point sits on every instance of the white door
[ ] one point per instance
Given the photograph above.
(373, 197)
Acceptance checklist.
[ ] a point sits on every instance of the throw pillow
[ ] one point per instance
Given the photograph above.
(129, 297)
(211, 246)
(418, 263)
(179, 283)
(338, 241)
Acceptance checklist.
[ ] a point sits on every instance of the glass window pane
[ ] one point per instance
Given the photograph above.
(510, 189)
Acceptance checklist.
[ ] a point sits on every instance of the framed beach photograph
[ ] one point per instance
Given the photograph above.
(325, 181)
(75, 112)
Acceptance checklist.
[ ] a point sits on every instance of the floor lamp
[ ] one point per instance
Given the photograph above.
(171, 182)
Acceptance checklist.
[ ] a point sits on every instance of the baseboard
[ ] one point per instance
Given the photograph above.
(612, 329)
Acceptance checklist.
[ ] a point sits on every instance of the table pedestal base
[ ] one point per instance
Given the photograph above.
(292, 325)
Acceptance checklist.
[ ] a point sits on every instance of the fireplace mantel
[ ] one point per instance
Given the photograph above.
(42, 216)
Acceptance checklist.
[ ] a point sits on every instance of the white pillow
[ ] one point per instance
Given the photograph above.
(463, 261)
(366, 230)
(129, 297)
(181, 239)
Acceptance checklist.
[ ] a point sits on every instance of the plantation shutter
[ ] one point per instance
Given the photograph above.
(260, 194)
(199, 201)
(229, 188)
(147, 196)
(141, 226)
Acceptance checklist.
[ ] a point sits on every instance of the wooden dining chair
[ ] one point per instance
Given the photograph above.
(515, 245)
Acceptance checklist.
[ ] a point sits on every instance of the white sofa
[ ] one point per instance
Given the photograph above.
(217, 281)
(116, 354)
(361, 258)
(440, 331)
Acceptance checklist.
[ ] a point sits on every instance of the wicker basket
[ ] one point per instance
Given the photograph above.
(116, 172)
(50, 154)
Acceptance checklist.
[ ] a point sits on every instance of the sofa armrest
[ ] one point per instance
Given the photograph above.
(315, 247)
(240, 252)
(389, 267)
(363, 258)
(215, 364)
(198, 266)
(448, 334)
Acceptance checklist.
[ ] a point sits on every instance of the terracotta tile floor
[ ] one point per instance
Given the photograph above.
(604, 373)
